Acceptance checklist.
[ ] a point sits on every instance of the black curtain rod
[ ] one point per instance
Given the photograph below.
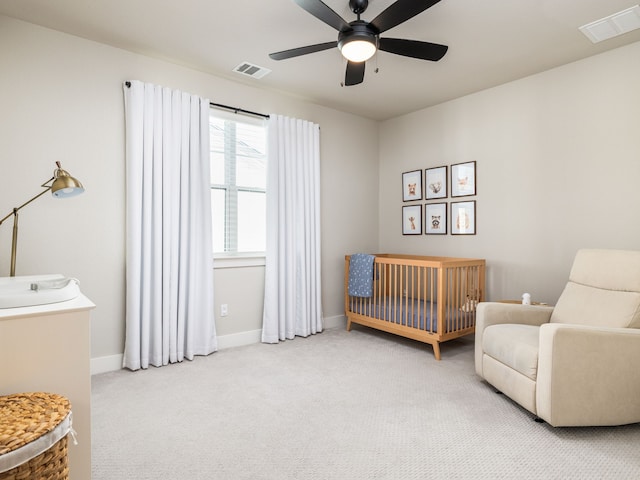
(219, 105)
(238, 110)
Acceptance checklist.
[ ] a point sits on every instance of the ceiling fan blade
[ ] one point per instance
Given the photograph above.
(296, 52)
(322, 12)
(399, 12)
(354, 74)
(413, 48)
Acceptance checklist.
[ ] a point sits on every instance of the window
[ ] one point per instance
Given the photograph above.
(238, 183)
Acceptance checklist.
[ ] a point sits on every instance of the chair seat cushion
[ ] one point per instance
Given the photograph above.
(516, 346)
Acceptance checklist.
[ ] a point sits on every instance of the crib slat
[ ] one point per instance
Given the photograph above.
(432, 295)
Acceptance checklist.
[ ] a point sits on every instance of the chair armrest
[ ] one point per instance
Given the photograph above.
(588, 375)
(494, 313)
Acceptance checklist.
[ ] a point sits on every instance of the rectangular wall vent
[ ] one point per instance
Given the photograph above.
(251, 70)
(613, 25)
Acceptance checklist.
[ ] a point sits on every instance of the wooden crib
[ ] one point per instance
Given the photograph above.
(429, 299)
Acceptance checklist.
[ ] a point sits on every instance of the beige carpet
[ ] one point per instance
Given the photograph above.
(337, 405)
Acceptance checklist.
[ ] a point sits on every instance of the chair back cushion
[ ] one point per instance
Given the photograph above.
(603, 290)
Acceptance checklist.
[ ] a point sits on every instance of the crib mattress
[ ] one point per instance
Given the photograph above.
(399, 310)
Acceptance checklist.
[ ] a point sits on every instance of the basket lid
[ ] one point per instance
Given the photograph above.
(24, 417)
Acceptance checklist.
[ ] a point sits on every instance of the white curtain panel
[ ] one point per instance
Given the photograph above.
(293, 296)
(169, 305)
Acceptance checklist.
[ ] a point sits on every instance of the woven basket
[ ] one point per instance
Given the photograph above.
(24, 418)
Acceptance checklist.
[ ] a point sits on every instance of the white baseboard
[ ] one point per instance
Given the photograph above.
(339, 321)
(112, 363)
(239, 339)
(106, 364)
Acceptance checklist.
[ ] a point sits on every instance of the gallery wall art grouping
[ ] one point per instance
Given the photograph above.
(437, 183)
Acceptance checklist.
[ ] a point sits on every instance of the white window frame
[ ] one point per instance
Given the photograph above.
(232, 259)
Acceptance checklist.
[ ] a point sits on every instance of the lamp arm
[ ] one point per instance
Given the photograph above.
(15, 210)
(14, 213)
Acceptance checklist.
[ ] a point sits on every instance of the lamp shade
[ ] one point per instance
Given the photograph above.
(64, 185)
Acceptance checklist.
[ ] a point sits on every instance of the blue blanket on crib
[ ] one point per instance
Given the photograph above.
(361, 275)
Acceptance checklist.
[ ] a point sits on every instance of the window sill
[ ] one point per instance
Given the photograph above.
(239, 261)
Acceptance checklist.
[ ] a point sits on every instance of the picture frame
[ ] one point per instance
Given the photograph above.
(412, 220)
(435, 219)
(412, 186)
(435, 181)
(463, 218)
(463, 179)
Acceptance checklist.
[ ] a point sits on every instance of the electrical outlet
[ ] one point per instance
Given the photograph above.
(224, 310)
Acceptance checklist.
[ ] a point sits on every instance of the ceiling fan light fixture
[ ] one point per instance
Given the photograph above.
(358, 50)
(359, 43)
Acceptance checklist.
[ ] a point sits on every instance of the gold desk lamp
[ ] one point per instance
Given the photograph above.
(63, 186)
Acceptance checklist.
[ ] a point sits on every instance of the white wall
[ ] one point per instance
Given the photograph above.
(61, 99)
(558, 165)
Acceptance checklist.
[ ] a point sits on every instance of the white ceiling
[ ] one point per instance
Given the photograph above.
(490, 42)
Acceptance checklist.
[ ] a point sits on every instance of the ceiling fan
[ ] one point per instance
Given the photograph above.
(359, 40)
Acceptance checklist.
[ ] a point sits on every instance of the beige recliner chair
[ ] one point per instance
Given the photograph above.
(577, 364)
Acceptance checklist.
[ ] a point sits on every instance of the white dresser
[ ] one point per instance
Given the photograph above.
(47, 348)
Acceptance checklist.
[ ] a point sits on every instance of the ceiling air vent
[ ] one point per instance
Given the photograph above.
(613, 25)
(251, 70)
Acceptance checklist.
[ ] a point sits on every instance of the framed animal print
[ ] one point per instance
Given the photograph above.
(463, 218)
(435, 219)
(435, 180)
(412, 220)
(463, 179)
(412, 186)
